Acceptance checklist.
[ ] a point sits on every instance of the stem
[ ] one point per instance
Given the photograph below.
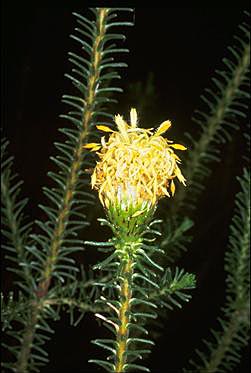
(225, 342)
(72, 179)
(124, 315)
(241, 289)
(70, 186)
(195, 157)
(237, 287)
(22, 362)
(13, 222)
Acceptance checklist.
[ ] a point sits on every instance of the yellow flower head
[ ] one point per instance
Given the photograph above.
(137, 166)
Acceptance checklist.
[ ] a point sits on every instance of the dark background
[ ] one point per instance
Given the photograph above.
(181, 47)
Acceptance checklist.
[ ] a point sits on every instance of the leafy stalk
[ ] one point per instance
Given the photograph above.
(27, 340)
(125, 298)
(129, 264)
(134, 289)
(14, 229)
(228, 344)
(227, 104)
(225, 352)
(56, 241)
(73, 174)
(172, 288)
(63, 213)
(77, 297)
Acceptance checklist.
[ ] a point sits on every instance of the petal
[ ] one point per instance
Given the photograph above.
(180, 176)
(122, 126)
(91, 145)
(95, 149)
(103, 143)
(104, 128)
(176, 157)
(178, 146)
(119, 120)
(137, 213)
(172, 187)
(156, 146)
(166, 192)
(163, 127)
(133, 117)
(93, 179)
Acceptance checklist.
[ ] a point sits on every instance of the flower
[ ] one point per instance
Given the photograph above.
(136, 166)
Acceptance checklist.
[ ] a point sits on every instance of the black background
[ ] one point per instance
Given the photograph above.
(181, 47)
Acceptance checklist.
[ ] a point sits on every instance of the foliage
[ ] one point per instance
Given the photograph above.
(226, 103)
(41, 255)
(14, 227)
(134, 272)
(44, 259)
(224, 351)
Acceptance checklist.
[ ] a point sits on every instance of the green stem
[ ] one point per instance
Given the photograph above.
(71, 182)
(195, 157)
(224, 343)
(237, 286)
(13, 224)
(241, 289)
(72, 179)
(124, 311)
(22, 362)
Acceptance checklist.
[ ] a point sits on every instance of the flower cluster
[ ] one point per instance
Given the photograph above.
(136, 166)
